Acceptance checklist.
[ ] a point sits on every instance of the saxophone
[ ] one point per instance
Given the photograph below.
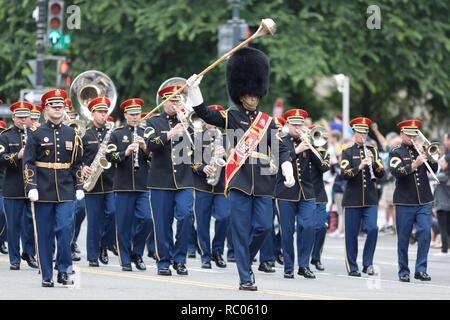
(100, 163)
(217, 162)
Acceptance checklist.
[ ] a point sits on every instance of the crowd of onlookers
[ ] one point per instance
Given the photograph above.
(335, 185)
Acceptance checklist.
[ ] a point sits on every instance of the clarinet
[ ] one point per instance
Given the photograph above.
(372, 176)
(135, 152)
(25, 135)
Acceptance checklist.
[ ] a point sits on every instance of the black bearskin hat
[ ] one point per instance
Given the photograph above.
(247, 72)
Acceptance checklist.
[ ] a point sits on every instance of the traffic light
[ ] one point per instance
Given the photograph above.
(55, 15)
(64, 79)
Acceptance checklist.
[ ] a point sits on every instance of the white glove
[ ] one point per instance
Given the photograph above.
(33, 195)
(194, 97)
(79, 194)
(288, 173)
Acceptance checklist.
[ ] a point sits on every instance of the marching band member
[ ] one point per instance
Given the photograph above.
(52, 170)
(296, 205)
(170, 182)
(35, 115)
(211, 201)
(3, 238)
(247, 185)
(360, 168)
(268, 253)
(412, 199)
(127, 149)
(100, 199)
(16, 205)
(321, 221)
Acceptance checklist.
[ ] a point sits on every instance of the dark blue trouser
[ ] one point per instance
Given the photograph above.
(267, 252)
(230, 250)
(251, 222)
(405, 218)
(356, 219)
(20, 227)
(321, 225)
(100, 215)
(165, 205)
(133, 222)
(79, 216)
(300, 214)
(53, 219)
(206, 206)
(3, 227)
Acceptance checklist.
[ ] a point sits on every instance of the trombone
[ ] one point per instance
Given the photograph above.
(315, 137)
(433, 152)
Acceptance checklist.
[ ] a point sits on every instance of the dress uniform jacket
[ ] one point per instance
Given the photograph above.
(126, 178)
(301, 164)
(360, 190)
(317, 177)
(91, 142)
(199, 176)
(411, 188)
(52, 162)
(165, 173)
(11, 141)
(249, 179)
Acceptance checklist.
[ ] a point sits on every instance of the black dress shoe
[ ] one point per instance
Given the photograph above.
(151, 254)
(181, 268)
(248, 286)
(3, 248)
(47, 283)
(14, 266)
(354, 274)
(423, 276)
(64, 279)
(231, 259)
(113, 249)
(138, 262)
(93, 263)
(75, 256)
(252, 275)
(265, 267)
(75, 248)
(280, 258)
(103, 257)
(289, 275)
(164, 272)
(191, 255)
(31, 261)
(306, 272)
(206, 265)
(369, 270)
(217, 258)
(127, 267)
(318, 265)
(404, 278)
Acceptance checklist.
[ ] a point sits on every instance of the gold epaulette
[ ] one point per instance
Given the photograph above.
(33, 129)
(5, 130)
(117, 128)
(396, 147)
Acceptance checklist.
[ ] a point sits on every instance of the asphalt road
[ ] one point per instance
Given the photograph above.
(111, 283)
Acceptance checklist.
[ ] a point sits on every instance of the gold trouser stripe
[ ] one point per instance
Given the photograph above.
(52, 165)
(154, 224)
(36, 244)
(196, 224)
(345, 246)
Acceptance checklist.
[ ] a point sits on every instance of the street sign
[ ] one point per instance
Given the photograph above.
(32, 76)
(61, 45)
(32, 95)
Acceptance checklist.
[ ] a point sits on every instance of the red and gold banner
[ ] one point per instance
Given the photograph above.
(246, 146)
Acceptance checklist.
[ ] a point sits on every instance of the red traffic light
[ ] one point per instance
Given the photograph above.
(55, 8)
(64, 67)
